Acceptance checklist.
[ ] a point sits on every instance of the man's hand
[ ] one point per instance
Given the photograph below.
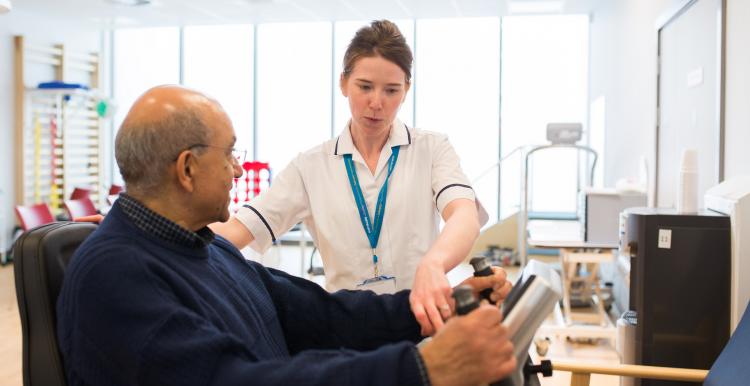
(95, 218)
(470, 350)
(497, 281)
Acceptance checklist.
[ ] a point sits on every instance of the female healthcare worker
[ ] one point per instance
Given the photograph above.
(371, 197)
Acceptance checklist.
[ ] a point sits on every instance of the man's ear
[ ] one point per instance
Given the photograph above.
(185, 168)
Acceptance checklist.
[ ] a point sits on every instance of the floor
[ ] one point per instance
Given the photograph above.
(288, 258)
(562, 349)
(10, 330)
(596, 352)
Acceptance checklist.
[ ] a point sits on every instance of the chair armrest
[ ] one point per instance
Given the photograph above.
(582, 371)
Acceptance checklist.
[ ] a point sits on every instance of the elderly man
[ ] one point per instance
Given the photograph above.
(153, 297)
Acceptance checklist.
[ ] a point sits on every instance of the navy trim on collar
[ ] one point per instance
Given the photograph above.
(336, 147)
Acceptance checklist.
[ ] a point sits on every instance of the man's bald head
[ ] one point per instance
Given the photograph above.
(160, 102)
(162, 122)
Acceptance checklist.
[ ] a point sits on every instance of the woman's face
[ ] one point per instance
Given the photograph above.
(375, 88)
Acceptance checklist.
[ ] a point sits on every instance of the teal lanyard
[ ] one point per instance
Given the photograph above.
(371, 229)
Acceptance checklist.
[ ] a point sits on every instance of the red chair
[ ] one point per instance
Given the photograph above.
(114, 193)
(34, 216)
(80, 208)
(79, 193)
(112, 198)
(114, 190)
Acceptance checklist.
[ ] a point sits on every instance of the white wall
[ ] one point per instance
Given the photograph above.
(36, 31)
(737, 110)
(623, 70)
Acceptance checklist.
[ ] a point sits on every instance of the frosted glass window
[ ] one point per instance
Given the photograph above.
(343, 34)
(143, 58)
(458, 93)
(293, 89)
(218, 60)
(544, 79)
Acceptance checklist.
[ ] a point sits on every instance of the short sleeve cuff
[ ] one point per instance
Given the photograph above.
(452, 192)
(254, 221)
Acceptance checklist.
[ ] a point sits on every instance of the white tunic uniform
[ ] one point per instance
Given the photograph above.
(314, 188)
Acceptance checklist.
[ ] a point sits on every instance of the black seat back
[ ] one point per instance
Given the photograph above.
(40, 258)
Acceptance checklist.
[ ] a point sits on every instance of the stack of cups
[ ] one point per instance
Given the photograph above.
(687, 191)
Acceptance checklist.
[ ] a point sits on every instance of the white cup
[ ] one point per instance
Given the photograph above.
(687, 190)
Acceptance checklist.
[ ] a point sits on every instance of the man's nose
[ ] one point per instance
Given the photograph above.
(237, 169)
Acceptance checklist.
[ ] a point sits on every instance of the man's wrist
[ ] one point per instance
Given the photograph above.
(422, 367)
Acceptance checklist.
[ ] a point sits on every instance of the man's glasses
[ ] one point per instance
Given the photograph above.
(238, 155)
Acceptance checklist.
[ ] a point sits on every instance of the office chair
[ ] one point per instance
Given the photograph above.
(33, 216)
(41, 256)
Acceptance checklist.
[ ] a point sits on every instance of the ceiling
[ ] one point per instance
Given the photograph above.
(107, 14)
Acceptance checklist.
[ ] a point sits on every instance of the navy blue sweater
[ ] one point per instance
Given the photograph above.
(136, 310)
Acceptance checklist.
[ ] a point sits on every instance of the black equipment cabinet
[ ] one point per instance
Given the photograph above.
(679, 287)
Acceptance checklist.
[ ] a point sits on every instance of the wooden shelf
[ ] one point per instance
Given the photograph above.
(58, 130)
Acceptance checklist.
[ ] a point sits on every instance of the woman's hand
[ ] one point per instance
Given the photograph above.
(430, 298)
(498, 281)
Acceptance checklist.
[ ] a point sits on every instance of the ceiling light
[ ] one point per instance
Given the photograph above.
(535, 6)
(5, 6)
(119, 21)
(131, 3)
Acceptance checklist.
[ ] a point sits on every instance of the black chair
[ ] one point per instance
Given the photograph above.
(41, 256)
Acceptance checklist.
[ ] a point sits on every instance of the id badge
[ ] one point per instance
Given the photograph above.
(382, 284)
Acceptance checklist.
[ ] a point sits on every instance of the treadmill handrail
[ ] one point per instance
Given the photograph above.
(524, 209)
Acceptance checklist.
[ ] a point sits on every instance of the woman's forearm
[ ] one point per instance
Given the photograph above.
(234, 231)
(457, 236)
